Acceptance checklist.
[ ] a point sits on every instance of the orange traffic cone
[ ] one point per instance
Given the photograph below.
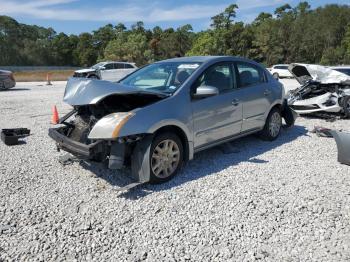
(48, 79)
(55, 118)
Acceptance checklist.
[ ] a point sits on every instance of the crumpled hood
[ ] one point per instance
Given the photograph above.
(87, 70)
(322, 74)
(90, 91)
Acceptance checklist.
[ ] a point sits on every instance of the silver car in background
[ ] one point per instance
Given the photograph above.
(110, 70)
(7, 80)
(155, 119)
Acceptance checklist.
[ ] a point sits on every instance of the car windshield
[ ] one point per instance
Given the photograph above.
(164, 77)
(98, 65)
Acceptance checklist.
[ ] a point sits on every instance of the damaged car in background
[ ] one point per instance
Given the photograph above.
(109, 70)
(322, 89)
(155, 119)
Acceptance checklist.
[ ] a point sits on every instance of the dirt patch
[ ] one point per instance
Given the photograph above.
(55, 75)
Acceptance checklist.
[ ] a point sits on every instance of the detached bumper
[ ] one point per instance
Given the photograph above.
(76, 148)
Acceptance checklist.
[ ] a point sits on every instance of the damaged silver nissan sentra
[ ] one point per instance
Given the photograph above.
(155, 119)
(322, 90)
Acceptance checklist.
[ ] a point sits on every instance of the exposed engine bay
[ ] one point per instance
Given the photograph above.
(74, 134)
(322, 90)
(86, 116)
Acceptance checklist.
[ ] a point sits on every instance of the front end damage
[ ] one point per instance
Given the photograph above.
(322, 90)
(91, 131)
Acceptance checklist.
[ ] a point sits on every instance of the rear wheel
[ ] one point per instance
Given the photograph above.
(166, 157)
(272, 126)
(2, 86)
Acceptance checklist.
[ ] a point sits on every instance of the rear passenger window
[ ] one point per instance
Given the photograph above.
(118, 66)
(281, 67)
(249, 74)
(128, 66)
(219, 76)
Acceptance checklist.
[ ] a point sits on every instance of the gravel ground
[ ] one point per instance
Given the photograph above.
(283, 200)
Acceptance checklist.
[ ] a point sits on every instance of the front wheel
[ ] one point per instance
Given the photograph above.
(166, 157)
(272, 126)
(346, 106)
(276, 76)
(93, 77)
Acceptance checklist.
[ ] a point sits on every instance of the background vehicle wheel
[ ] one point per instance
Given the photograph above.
(166, 157)
(346, 106)
(276, 75)
(2, 86)
(272, 126)
(93, 76)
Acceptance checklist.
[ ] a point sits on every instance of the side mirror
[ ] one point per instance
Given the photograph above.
(205, 91)
(102, 68)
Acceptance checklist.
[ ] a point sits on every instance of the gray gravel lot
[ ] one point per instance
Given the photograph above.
(284, 200)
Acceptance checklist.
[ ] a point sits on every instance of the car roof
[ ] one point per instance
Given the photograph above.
(203, 59)
(106, 62)
(281, 65)
(192, 59)
(5, 71)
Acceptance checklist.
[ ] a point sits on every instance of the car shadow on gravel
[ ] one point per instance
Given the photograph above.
(15, 89)
(205, 163)
(245, 149)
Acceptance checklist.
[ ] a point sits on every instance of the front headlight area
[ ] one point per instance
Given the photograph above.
(108, 127)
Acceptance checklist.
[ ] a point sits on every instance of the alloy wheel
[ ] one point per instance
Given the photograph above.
(275, 124)
(165, 158)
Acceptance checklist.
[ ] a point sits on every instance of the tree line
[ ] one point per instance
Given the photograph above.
(290, 34)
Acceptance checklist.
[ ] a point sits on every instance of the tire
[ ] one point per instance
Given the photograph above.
(272, 127)
(346, 106)
(276, 75)
(162, 171)
(2, 86)
(93, 77)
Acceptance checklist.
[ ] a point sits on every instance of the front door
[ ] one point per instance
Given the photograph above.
(108, 72)
(219, 116)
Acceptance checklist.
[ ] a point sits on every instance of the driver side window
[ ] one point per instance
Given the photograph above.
(108, 66)
(219, 75)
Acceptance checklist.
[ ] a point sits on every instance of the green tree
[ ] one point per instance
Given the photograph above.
(87, 53)
(102, 36)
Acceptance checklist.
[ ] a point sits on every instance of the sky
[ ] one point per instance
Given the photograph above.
(77, 16)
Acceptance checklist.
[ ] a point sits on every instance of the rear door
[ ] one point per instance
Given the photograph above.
(217, 117)
(256, 96)
(119, 71)
(128, 69)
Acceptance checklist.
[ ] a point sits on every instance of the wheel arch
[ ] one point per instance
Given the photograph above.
(277, 104)
(181, 134)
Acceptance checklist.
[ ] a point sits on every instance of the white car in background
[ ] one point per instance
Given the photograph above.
(323, 89)
(280, 71)
(110, 70)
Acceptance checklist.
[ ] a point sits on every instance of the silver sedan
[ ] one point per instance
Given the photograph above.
(157, 118)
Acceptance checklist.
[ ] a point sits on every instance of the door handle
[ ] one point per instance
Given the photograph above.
(267, 92)
(235, 102)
